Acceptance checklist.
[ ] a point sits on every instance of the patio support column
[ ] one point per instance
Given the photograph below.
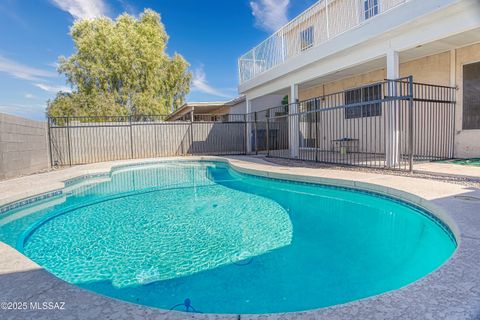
(293, 126)
(248, 133)
(457, 115)
(392, 114)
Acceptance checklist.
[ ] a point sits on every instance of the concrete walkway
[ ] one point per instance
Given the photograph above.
(445, 168)
(451, 292)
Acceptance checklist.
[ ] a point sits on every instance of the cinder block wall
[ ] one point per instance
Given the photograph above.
(23, 146)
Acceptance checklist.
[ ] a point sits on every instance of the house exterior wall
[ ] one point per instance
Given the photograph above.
(431, 38)
(317, 19)
(433, 69)
(417, 28)
(261, 103)
(239, 108)
(23, 146)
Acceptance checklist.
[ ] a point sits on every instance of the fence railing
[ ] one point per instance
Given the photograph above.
(323, 21)
(389, 124)
(80, 140)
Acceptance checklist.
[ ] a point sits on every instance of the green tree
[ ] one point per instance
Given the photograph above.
(120, 67)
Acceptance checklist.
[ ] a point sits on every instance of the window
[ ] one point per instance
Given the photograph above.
(371, 8)
(471, 96)
(306, 38)
(366, 94)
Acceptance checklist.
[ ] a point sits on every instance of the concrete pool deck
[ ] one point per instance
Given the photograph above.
(452, 169)
(451, 292)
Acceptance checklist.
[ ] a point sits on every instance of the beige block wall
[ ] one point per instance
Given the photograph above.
(23, 146)
(441, 69)
(432, 69)
(337, 86)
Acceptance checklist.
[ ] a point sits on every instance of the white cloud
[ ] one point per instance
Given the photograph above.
(30, 96)
(270, 15)
(200, 83)
(53, 64)
(129, 8)
(82, 9)
(24, 72)
(52, 88)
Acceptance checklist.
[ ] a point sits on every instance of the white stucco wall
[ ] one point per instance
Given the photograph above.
(266, 102)
(238, 108)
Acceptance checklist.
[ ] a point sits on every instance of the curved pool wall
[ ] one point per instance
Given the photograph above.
(279, 246)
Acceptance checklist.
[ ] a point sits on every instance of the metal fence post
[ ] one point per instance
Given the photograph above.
(316, 134)
(69, 143)
(255, 129)
(192, 119)
(268, 132)
(245, 119)
(453, 103)
(410, 123)
(131, 136)
(50, 141)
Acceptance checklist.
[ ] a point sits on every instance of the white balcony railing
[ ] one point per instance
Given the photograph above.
(321, 22)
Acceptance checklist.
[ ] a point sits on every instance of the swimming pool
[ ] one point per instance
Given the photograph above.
(228, 242)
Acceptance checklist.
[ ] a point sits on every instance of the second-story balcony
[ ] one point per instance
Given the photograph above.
(321, 22)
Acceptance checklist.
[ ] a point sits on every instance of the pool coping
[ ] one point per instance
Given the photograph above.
(452, 291)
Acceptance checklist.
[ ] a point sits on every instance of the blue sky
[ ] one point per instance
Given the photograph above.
(210, 34)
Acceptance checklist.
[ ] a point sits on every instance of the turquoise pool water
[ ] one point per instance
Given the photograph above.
(229, 242)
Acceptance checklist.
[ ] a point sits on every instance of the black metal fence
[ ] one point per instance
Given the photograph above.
(80, 140)
(389, 124)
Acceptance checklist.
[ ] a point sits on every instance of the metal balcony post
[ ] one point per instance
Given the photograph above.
(327, 18)
(358, 10)
(254, 62)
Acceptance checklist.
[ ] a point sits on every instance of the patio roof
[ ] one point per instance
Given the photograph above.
(203, 107)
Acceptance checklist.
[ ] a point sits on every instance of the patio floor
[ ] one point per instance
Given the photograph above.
(451, 292)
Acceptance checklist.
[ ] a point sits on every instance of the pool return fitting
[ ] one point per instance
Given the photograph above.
(187, 303)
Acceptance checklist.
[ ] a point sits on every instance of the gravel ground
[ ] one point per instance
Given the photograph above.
(469, 182)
